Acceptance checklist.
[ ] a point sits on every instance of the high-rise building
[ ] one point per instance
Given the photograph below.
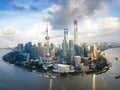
(48, 56)
(66, 35)
(64, 49)
(32, 52)
(76, 37)
(66, 39)
(65, 43)
(24, 57)
(93, 51)
(52, 46)
(53, 50)
(39, 44)
(71, 47)
(29, 49)
(80, 51)
(77, 60)
(35, 50)
(39, 49)
(28, 46)
(75, 33)
(85, 50)
(44, 49)
(27, 57)
(20, 48)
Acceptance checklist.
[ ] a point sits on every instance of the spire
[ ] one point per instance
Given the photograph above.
(47, 48)
(47, 37)
(46, 27)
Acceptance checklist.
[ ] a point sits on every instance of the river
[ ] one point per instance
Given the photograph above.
(16, 78)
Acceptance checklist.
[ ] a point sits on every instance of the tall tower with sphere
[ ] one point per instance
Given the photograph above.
(47, 38)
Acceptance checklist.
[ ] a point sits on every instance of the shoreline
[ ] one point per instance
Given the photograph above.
(39, 70)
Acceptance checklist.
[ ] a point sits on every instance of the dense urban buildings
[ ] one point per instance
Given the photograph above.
(71, 52)
(67, 57)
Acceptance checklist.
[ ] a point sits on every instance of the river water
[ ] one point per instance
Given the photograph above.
(16, 78)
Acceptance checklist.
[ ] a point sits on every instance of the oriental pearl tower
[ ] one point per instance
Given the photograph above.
(47, 38)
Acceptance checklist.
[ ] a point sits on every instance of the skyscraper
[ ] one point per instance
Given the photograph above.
(64, 49)
(71, 47)
(20, 48)
(85, 50)
(79, 50)
(52, 49)
(75, 33)
(93, 51)
(47, 41)
(29, 49)
(39, 49)
(66, 35)
(65, 43)
(35, 50)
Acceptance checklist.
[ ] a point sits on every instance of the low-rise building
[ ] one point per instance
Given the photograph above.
(63, 68)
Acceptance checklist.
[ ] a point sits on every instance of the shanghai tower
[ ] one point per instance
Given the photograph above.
(75, 33)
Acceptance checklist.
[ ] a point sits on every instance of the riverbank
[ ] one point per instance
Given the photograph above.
(100, 66)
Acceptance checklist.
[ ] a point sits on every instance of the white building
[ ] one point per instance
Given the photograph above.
(77, 60)
(64, 68)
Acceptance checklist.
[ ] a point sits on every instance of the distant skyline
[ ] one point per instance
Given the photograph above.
(25, 20)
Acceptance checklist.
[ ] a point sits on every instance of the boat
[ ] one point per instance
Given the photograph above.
(46, 76)
(117, 77)
(34, 76)
(33, 71)
(103, 53)
(53, 76)
(12, 64)
(40, 75)
(116, 58)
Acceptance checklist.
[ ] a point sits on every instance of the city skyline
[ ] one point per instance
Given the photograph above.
(25, 20)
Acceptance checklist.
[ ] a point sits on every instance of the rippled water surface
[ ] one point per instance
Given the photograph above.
(17, 78)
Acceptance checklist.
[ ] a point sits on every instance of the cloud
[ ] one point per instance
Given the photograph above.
(25, 7)
(28, 5)
(34, 8)
(63, 12)
(10, 36)
(103, 29)
(94, 22)
(37, 33)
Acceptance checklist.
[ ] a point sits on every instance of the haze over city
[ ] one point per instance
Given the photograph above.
(25, 20)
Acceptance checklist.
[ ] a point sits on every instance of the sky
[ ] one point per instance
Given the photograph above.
(22, 21)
